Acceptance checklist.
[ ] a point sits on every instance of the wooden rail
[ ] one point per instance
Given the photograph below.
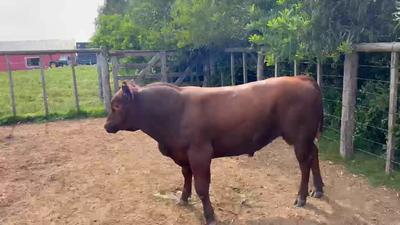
(50, 52)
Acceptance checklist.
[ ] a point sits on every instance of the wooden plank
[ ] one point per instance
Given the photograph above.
(233, 80)
(46, 108)
(106, 80)
(391, 144)
(164, 67)
(348, 104)
(159, 76)
(244, 67)
(377, 47)
(134, 53)
(277, 69)
(114, 62)
(260, 67)
(99, 77)
(10, 80)
(319, 73)
(244, 50)
(146, 70)
(140, 66)
(187, 71)
(73, 61)
(50, 52)
(296, 69)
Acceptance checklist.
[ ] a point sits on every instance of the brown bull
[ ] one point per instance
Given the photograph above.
(193, 125)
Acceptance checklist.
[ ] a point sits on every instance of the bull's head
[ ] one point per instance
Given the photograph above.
(122, 115)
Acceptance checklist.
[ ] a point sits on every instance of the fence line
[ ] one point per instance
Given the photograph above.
(328, 82)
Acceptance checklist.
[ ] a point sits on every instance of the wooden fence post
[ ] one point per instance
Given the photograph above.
(391, 144)
(348, 104)
(206, 69)
(73, 61)
(244, 68)
(99, 76)
(164, 66)
(222, 79)
(319, 73)
(105, 80)
(114, 63)
(46, 108)
(10, 80)
(296, 68)
(260, 66)
(212, 67)
(233, 69)
(277, 69)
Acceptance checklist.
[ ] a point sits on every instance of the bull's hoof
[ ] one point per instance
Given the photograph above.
(300, 203)
(317, 194)
(212, 223)
(181, 202)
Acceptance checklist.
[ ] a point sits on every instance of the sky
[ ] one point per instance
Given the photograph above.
(47, 19)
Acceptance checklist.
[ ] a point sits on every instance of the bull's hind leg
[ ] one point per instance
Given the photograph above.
(187, 186)
(317, 189)
(302, 150)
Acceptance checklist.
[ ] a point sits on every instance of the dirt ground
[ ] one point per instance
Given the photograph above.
(75, 173)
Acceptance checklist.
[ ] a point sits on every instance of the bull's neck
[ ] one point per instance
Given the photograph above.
(160, 111)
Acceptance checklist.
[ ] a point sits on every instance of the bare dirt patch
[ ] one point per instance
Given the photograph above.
(75, 173)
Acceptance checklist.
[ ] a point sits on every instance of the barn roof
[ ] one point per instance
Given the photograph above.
(37, 45)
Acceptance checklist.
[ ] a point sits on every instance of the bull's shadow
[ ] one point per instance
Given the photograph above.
(331, 218)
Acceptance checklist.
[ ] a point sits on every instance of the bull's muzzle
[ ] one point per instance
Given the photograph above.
(110, 128)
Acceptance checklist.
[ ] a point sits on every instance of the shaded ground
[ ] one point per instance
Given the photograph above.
(75, 173)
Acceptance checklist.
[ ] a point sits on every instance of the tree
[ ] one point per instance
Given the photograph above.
(320, 28)
(112, 7)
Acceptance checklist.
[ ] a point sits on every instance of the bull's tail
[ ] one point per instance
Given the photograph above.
(321, 127)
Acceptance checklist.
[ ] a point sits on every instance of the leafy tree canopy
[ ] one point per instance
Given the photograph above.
(293, 29)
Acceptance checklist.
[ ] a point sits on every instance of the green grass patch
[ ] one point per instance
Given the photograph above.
(359, 163)
(60, 95)
(40, 118)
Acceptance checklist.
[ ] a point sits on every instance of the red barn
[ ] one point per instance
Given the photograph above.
(30, 62)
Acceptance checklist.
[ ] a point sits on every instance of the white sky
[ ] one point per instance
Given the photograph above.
(47, 19)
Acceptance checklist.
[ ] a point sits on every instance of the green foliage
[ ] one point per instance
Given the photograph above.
(397, 14)
(202, 23)
(322, 28)
(145, 26)
(290, 29)
(282, 34)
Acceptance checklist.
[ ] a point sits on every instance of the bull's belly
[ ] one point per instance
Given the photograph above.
(240, 145)
(227, 150)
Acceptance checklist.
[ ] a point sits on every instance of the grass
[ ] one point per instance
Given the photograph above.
(359, 163)
(60, 95)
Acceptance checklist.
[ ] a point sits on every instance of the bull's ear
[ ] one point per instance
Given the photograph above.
(127, 94)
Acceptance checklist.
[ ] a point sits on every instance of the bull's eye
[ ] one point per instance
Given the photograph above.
(117, 106)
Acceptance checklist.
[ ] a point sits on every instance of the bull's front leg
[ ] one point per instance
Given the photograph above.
(200, 162)
(187, 186)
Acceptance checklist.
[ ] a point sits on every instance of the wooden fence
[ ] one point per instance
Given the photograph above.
(159, 60)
